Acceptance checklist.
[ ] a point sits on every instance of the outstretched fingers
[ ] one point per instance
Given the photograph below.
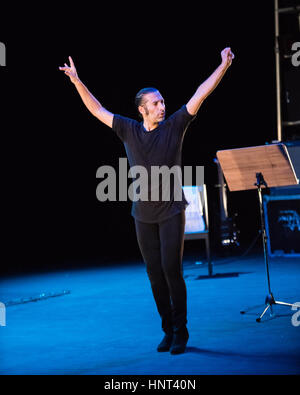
(66, 67)
(70, 71)
(71, 62)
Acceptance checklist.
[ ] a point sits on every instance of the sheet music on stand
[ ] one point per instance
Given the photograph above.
(194, 211)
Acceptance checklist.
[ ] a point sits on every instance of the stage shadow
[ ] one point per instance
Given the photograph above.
(197, 350)
(220, 275)
(253, 356)
(269, 317)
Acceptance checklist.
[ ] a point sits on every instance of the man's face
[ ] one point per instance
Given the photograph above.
(153, 108)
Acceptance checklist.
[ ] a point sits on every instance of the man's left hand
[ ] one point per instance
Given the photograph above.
(227, 57)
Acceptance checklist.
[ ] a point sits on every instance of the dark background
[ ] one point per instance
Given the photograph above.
(52, 146)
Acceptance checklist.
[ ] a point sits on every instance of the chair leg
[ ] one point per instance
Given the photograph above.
(208, 255)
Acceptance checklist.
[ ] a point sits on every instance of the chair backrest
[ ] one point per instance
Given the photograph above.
(196, 212)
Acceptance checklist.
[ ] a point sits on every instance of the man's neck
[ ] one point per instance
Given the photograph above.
(148, 125)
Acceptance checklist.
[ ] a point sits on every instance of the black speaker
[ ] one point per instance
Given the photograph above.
(282, 218)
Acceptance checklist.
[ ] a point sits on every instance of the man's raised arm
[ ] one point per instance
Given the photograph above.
(206, 88)
(88, 99)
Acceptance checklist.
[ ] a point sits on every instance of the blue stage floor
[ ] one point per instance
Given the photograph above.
(108, 324)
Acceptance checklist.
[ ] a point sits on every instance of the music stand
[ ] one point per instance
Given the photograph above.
(254, 168)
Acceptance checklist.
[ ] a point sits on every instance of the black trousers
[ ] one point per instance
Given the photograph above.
(161, 245)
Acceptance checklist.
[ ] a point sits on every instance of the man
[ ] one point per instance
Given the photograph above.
(159, 224)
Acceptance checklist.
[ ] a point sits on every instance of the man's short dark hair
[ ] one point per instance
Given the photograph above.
(139, 98)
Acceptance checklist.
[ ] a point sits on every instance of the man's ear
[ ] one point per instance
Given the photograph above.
(141, 110)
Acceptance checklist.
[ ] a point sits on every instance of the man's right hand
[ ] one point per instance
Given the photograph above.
(70, 71)
(91, 103)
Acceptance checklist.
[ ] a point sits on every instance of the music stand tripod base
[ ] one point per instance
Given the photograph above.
(270, 301)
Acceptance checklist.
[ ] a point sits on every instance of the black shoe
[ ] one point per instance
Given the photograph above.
(179, 342)
(166, 343)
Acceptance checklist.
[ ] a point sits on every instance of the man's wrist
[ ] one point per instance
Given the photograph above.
(224, 65)
(76, 81)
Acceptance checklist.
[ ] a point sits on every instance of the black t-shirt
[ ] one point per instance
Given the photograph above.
(159, 147)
